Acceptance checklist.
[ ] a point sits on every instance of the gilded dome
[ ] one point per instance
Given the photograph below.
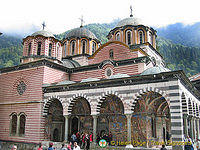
(43, 33)
(128, 21)
(155, 70)
(80, 33)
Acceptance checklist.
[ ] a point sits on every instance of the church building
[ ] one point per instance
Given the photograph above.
(121, 87)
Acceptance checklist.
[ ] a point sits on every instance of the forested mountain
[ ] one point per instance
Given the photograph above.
(170, 41)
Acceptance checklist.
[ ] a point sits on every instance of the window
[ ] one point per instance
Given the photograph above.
(128, 37)
(22, 122)
(111, 54)
(29, 49)
(153, 127)
(39, 48)
(57, 49)
(93, 47)
(73, 45)
(65, 49)
(151, 38)
(117, 36)
(13, 124)
(141, 37)
(84, 45)
(50, 49)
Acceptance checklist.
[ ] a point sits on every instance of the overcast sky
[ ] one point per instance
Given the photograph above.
(61, 15)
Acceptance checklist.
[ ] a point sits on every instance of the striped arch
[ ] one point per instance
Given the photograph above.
(74, 99)
(48, 102)
(107, 94)
(194, 109)
(184, 104)
(197, 110)
(190, 108)
(149, 89)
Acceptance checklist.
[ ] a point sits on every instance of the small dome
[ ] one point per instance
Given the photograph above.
(43, 33)
(155, 70)
(128, 21)
(81, 32)
(70, 63)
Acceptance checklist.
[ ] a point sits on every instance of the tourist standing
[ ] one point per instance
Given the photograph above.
(69, 146)
(76, 147)
(51, 146)
(40, 147)
(73, 137)
(163, 147)
(63, 147)
(14, 147)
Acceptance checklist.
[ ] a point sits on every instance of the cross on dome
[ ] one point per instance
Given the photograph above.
(131, 11)
(82, 21)
(43, 25)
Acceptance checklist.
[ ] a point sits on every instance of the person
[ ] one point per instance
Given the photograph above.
(63, 147)
(91, 137)
(73, 137)
(69, 146)
(50, 146)
(87, 142)
(40, 147)
(163, 147)
(14, 147)
(78, 137)
(76, 147)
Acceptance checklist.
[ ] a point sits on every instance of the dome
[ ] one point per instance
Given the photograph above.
(155, 70)
(70, 63)
(43, 33)
(81, 32)
(128, 21)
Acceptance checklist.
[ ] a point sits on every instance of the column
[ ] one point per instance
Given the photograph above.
(128, 116)
(18, 125)
(185, 126)
(94, 128)
(66, 127)
(198, 134)
(192, 128)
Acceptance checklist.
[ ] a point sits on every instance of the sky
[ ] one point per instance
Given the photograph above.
(27, 16)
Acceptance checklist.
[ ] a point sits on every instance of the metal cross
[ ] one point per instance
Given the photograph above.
(43, 25)
(131, 11)
(82, 21)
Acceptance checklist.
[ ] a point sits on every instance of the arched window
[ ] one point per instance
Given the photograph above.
(39, 48)
(72, 46)
(50, 49)
(57, 49)
(151, 38)
(84, 46)
(22, 122)
(111, 54)
(128, 37)
(141, 37)
(65, 49)
(117, 36)
(29, 49)
(13, 124)
(93, 47)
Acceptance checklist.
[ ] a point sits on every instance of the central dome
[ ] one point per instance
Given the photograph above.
(43, 33)
(81, 32)
(128, 21)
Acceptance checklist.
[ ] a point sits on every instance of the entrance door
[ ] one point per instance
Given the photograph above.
(56, 135)
(74, 125)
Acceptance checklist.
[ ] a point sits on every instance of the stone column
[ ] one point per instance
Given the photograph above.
(18, 125)
(198, 134)
(128, 116)
(185, 126)
(94, 128)
(66, 127)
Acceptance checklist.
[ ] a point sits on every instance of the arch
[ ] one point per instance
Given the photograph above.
(197, 110)
(128, 37)
(39, 48)
(190, 107)
(50, 49)
(72, 47)
(13, 123)
(151, 38)
(94, 46)
(65, 49)
(78, 101)
(29, 49)
(117, 36)
(184, 104)
(22, 124)
(49, 102)
(141, 36)
(84, 46)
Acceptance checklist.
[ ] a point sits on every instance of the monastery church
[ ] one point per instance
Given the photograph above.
(79, 84)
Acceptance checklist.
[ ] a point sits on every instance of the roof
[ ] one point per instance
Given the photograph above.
(70, 63)
(43, 33)
(81, 32)
(195, 77)
(155, 70)
(128, 21)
